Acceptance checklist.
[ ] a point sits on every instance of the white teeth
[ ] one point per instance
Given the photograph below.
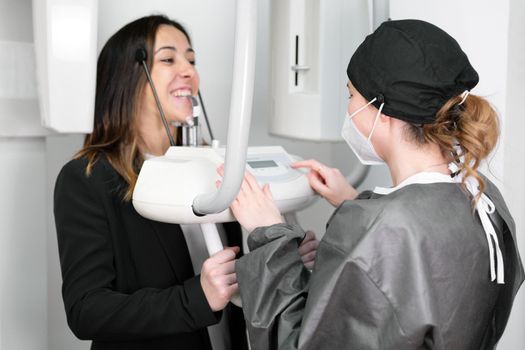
(182, 93)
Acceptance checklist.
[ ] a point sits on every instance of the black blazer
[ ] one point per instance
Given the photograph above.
(128, 282)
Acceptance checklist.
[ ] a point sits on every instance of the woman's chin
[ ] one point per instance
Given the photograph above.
(179, 109)
(180, 115)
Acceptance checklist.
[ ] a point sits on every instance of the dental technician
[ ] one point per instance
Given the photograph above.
(128, 282)
(431, 263)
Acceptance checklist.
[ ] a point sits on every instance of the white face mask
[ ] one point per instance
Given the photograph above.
(362, 146)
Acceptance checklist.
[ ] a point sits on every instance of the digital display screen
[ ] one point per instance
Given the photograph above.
(262, 164)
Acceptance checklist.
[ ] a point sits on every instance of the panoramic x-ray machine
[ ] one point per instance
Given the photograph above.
(179, 187)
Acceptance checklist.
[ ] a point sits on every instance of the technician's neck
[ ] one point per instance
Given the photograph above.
(408, 160)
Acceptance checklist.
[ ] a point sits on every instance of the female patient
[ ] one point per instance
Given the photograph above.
(128, 282)
(431, 263)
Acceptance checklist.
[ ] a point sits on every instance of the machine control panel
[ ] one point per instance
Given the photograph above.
(270, 164)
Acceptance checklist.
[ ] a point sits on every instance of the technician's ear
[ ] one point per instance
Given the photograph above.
(389, 123)
(383, 118)
(397, 126)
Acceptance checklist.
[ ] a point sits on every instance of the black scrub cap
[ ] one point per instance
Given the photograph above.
(413, 67)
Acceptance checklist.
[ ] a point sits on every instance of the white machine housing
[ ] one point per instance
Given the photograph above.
(167, 185)
(308, 65)
(65, 35)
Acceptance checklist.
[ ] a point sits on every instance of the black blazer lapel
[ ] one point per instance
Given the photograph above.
(175, 247)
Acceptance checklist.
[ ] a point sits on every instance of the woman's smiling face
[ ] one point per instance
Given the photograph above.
(173, 74)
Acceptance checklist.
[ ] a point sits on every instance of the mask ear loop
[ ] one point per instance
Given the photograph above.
(375, 121)
(464, 97)
(363, 107)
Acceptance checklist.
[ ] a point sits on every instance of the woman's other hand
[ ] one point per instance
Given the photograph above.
(328, 182)
(218, 278)
(308, 249)
(254, 206)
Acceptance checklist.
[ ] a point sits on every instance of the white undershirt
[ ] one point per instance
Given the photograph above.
(418, 178)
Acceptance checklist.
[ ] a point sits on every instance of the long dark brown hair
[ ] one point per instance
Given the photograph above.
(119, 90)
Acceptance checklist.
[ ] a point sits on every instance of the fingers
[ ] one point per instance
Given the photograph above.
(249, 182)
(309, 236)
(318, 175)
(308, 249)
(224, 269)
(309, 265)
(219, 289)
(218, 278)
(254, 206)
(230, 278)
(317, 183)
(221, 272)
(225, 255)
(267, 192)
(309, 246)
(234, 288)
(311, 164)
(235, 249)
(220, 170)
(308, 257)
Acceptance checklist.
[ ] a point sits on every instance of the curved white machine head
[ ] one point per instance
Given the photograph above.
(167, 185)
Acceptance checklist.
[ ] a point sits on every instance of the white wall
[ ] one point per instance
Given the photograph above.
(22, 187)
(22, 244)
(514, 161)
